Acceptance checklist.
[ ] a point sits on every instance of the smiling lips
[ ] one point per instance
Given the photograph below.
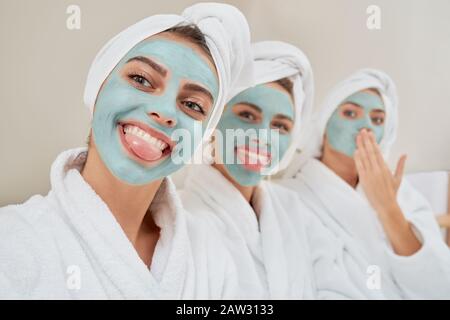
(253, 159)
(143, 142)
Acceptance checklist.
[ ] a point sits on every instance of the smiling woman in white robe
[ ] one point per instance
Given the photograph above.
(279, 254)
(388, 237)
(112, 226)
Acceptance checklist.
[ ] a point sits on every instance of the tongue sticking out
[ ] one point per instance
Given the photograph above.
(142, 148)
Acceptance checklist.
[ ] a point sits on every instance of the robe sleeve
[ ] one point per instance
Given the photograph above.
(19, 268)
(425, 274)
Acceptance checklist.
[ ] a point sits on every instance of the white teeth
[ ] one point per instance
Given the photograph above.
(129, 129)
(254, 158)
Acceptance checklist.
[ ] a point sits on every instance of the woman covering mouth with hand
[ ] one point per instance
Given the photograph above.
(385, 231)
(262, 223)
(112, 225)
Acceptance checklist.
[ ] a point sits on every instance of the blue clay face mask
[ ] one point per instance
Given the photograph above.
(358, 111)
(160, 86)
(263, 108)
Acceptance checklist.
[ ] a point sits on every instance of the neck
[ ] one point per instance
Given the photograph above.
(246, 191)
(128, 203)
(341, 165)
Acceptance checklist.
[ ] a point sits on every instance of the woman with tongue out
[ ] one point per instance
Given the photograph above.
(256, 137)
(112, 225)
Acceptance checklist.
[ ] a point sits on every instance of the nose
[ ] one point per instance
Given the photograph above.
(166, 121)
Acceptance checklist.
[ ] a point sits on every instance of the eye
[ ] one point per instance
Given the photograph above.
(284, 129)
(349, 113)
(378, 121)
(194, 107)
(247, 115)
(141, 81)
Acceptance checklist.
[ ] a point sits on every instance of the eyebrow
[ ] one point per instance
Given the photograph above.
(282, 116)
(159, 69)
(253, 106)
(361, 107)
(354, 104)
(196, 87)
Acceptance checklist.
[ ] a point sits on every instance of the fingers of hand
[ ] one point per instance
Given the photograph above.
(376, 149)
(363, 150)
(359, 164)
(400, 168)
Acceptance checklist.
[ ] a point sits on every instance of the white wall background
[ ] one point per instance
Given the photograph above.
(44, 65)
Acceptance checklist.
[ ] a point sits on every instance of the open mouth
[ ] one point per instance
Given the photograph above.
(253, 159)
(144, 144)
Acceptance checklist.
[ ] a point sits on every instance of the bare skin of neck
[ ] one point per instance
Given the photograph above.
(128, 203)
(340, 164)
(246, 191)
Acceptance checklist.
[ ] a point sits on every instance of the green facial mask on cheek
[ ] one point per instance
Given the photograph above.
(271, 102)
(119, 101)
(342, 132)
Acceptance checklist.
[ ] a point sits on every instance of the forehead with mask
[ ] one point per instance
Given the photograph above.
(165, 83)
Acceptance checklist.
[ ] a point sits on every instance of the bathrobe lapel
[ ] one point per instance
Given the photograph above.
(349, 215)
(106, 243)
(285, 249)
(267, 242)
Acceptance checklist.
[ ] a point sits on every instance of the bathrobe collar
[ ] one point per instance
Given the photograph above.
(105, 240)
(216, 190)
(267, 238)
(347, 212)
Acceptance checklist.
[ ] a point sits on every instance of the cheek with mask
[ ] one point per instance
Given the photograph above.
(253, 153)
(136, 148)
(342, 132)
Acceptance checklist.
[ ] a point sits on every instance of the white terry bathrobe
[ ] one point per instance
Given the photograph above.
(68, 245)
(369, 259)
(273, 254)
